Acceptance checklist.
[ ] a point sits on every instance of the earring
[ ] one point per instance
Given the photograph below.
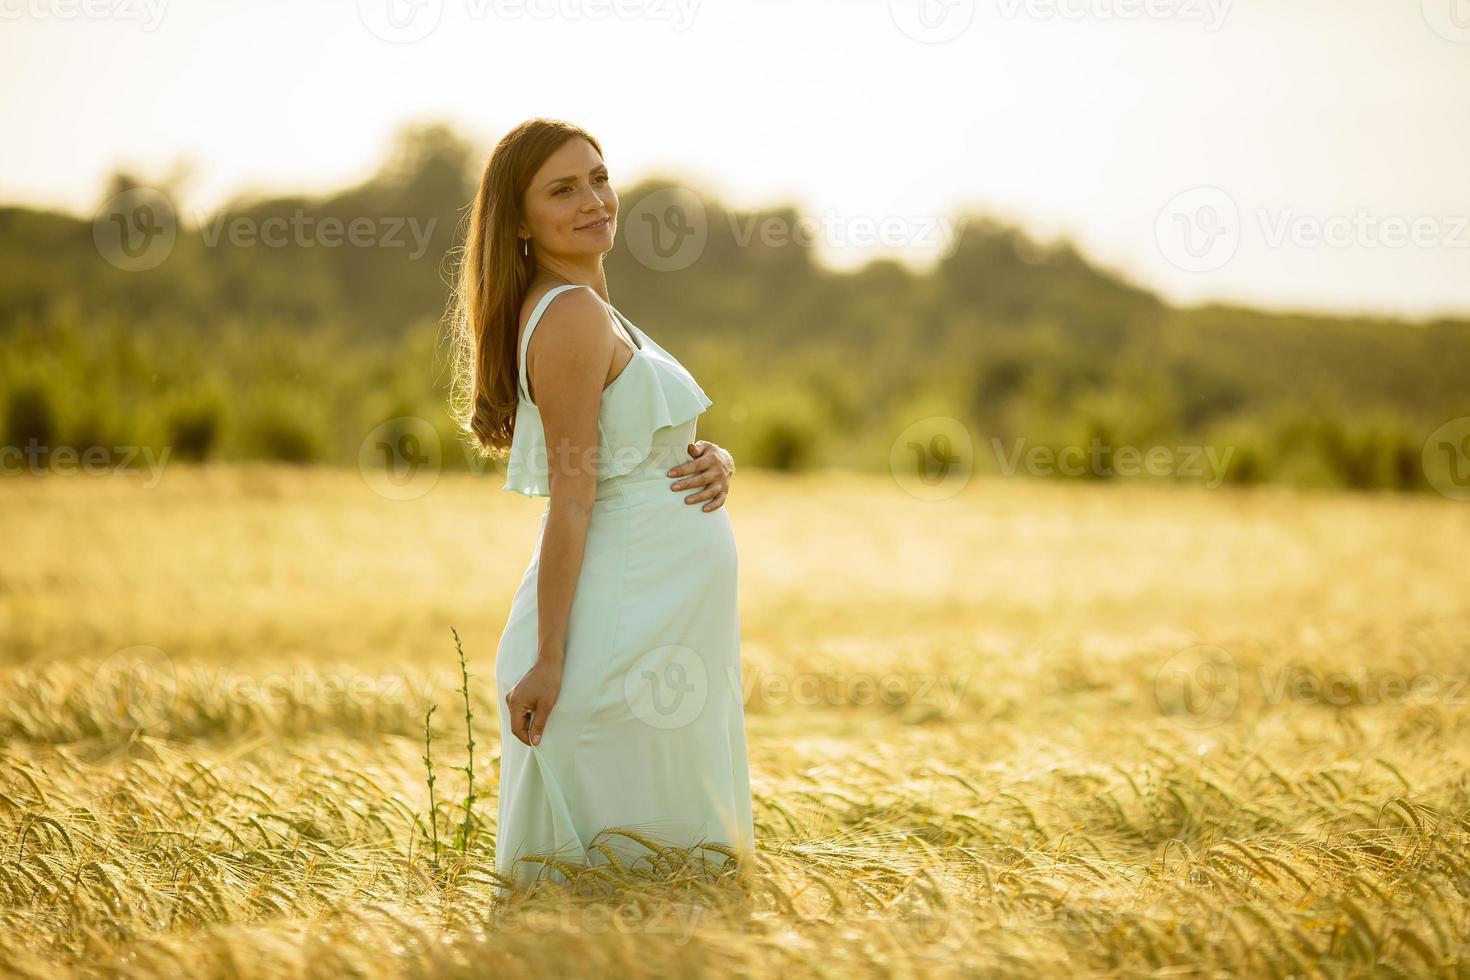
(525, 246)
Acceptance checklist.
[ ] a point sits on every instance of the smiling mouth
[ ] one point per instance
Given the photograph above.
(595, 226)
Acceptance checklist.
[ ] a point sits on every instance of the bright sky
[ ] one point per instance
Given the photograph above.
(1331, 136)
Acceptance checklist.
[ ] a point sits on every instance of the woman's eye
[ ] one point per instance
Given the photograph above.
(566, 187)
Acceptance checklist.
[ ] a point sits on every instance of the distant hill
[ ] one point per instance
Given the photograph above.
(293, 347)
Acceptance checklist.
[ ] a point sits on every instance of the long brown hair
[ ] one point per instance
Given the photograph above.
(491, 283)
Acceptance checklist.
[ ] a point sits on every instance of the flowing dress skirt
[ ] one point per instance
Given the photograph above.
(648, 732)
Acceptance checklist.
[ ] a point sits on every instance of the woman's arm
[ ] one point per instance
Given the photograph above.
(567, 361)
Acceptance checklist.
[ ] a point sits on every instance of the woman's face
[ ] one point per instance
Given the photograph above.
(567, 199)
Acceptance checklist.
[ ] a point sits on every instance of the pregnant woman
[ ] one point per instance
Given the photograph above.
(618, 670)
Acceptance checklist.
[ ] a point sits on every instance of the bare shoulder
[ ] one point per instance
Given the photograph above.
(574, 317)
(571, 340)
(563, 299)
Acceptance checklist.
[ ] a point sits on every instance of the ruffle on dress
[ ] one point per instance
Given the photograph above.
(653, 391)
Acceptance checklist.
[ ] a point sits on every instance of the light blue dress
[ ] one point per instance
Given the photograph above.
(648, 732)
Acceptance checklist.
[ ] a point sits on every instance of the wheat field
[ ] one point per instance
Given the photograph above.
(1037, 728)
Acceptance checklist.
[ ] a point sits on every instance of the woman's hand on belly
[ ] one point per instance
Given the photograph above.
(710, 469)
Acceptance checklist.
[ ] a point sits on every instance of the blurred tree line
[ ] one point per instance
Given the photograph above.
(295, 347)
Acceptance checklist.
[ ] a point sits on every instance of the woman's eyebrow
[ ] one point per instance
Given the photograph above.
(560, 180)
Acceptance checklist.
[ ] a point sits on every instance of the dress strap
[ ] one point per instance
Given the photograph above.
(631, 332)
(526, 338)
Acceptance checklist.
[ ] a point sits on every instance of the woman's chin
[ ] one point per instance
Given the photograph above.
(594, 245)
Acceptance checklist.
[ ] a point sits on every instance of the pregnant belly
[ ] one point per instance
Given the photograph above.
(665, 540)
(655, 571)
